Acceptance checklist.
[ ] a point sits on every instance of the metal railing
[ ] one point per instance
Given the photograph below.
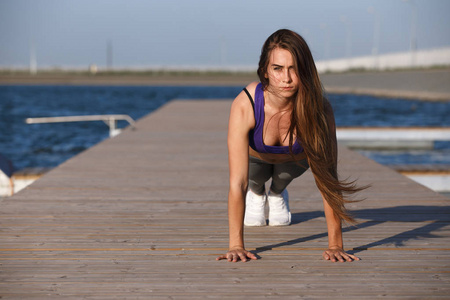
(392, 137)
(110, 120)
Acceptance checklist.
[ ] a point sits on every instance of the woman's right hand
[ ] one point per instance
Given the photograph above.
(237, 254)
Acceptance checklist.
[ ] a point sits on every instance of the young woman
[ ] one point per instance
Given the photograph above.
(277, 129)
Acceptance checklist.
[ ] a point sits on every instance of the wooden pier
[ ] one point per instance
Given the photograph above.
(144, 215)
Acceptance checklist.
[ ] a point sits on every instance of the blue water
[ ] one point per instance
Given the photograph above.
(48, 145)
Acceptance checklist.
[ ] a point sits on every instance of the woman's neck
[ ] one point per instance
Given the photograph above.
(278, 103)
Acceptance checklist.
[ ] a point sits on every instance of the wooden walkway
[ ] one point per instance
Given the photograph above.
(144, 215)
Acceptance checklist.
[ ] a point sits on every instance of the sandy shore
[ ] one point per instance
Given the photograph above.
(213, 79)
(413, 84)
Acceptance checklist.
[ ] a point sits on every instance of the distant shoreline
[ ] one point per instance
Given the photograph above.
(421, 84)
(129, 78)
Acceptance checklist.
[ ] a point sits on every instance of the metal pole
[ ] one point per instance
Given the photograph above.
(413, 32)
(348, 39)
(326, 40)
(376, 35)
(109, 55)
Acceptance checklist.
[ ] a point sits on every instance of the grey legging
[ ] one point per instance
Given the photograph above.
(282, 174)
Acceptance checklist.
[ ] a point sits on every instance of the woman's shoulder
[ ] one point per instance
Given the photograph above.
(243, 103)
(251, 87)
(242, 100)
(248, 91)
(242, 108)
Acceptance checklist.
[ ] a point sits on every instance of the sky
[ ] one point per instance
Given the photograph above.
(205, 33)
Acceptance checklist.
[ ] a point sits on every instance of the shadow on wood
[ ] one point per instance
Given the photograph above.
(439, 216)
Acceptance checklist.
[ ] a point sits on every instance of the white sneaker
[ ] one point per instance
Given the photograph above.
(254, 209)
(279, 214)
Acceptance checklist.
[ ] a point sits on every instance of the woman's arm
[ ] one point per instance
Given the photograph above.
(335, 251)
(240, 123)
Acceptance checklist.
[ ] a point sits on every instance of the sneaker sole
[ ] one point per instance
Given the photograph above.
(255, 224)
(281, 224)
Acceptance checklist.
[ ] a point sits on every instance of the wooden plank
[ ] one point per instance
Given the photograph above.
(144, 215)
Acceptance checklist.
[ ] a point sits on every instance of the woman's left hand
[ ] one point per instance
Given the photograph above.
(338, 254)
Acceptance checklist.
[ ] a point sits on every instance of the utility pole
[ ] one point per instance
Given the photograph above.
(223, 51)
(109, 55)
(376, 35)
(33, 63)
(413, 31)
(326, 40)
(348, 39)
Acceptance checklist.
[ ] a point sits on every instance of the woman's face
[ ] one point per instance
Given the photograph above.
(281, 73)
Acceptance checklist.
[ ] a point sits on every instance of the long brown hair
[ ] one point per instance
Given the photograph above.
(309, 120)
